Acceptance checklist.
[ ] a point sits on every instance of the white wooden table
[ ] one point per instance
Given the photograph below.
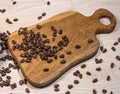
(27, 12)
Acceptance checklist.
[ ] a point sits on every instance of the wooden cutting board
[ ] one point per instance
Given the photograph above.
(80, 30)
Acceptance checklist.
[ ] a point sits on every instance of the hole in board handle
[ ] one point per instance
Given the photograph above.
(105, 21)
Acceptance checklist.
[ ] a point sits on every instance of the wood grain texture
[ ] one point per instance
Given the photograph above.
(27, 12)
(79, 30)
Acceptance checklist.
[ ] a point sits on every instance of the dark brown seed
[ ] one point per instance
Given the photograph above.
(75, 74)
(62, 56)
(3, 10)
(80, 76)
(56, 85)
(118, 39)
(115, 43)
(1, 51)
(118, 58)
(28, 60)
(90, 41)
(49, 60)
(55, 47)
(63, 61)
(55, 57)
(13, 41)
(108, 78)
(77, 46)
(53, 28)
(100, 60)
(60, 48)
(45, 69)
(94, 91)
(113, 49)
(3, 58)
(39, 17)
(104, 91)
(88, 73)
(1, 79)
(34, 56)
(8, 21)
(83, 66)
(53, 39)
(56, 89)
(76, 82)
(10, 65)
(95, 80)
(7, 83)
(15, 67)
(60, 31)
(20, 31)
(104, 50)
(64, 37)
(77, 71)
(68, 52)
(3, 74)
(38, 26)
(43, 14)
(8, 71)
(60, 43)
(44, 36)
(15, 19)
(23, 55)
(14, 2)
(54, 34)
(70, 86)
(1, 85)
(101, 48)
(48, 2)
(67, 92)
(21, 82)
(14, 85)
(111, 92)
(48, 41)
(8, 77)
(112, 65)
(8, 32)
(98, 69)
(27, 90)
(25, 81)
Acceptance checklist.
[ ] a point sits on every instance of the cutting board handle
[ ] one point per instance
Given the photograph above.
(102, 28)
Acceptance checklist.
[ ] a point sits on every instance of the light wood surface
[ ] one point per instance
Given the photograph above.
(74, 26)
(27, 12)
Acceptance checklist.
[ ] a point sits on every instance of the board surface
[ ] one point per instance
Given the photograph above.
(79, 29)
